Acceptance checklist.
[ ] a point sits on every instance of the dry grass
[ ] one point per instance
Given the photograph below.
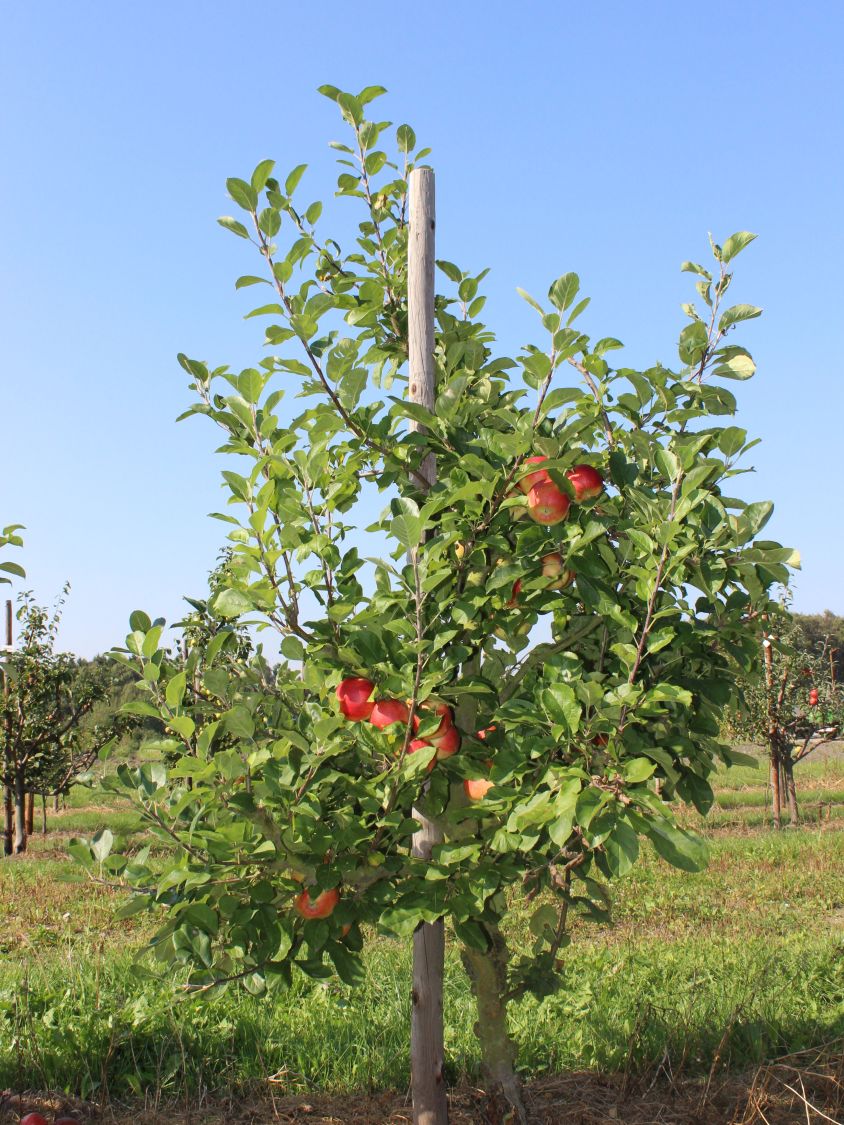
(803, 1088)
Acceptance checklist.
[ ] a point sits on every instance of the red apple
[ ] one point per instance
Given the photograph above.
(547, 504)
(441, 709)
(476, 788)
(527, 482)
(33, 1119)
(553, 567)
(353, 695)
(586, 482)
(813, 697)
(447, 743)
(319, 907)
(387, 711)
(421, 744)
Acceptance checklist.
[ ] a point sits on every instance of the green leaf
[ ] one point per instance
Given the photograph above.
(621, 849)
(243, 194)
(637, 770)
(693, 267)
(530, 300)
(735, 244)
(262, 173)
(250, 279)
(450, 270)
(292, 648)
(101, 844)
(561, 706)
(230, 603)
(150, 645)
(735, 314)
(348, 965)
(737, 367)
(543, 920)
(183, 725)
(693, 342)
(140, 707)
(239, 722)
(176, 690)
(405, 138)
(756, 515)
(233, 225)
(564, 290)
(678, 847)
(292, 181)
(407, 526)
(139, 621)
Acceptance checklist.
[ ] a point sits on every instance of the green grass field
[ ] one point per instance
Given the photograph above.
(743, 961)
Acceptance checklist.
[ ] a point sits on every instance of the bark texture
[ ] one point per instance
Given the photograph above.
(487, 973)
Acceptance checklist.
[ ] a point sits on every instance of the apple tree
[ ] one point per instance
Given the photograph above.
(790, 704)
(9, 537)
(534, 651)
(46, 699)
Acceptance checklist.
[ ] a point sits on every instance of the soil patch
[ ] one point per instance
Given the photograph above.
(805, 1088)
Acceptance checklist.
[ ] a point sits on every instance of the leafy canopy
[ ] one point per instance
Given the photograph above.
(588, 733)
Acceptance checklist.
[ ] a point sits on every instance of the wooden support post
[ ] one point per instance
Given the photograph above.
(430, 1104)
(8, 807)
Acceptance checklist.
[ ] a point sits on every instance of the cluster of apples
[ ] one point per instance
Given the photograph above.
(546, 503)
(813, 697)
(355, 698)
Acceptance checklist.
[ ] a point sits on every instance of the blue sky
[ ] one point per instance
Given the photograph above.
(605, 138)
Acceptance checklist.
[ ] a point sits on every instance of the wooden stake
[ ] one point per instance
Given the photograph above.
(8, 808)
(430, 1105)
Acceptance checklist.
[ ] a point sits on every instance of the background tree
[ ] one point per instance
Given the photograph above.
(46, 697)
(9, 537)
(824, 633)
(593, 507)
(791, 704)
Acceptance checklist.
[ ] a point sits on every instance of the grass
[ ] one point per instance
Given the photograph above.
(742, 961)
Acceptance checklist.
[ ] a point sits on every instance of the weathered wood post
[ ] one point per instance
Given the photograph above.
(8, 808)
(430, 1105)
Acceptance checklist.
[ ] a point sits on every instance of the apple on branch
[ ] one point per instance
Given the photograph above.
(586, 482)
(354, 698)
(547, 504)
(553, 566)
(319, 907)
(388, 711)
(530, 479)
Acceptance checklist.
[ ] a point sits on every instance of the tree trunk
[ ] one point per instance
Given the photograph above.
(791, 790)
(8, 820)
(55, 802)
(487, 973)
(30, 813)
(776, 796)
(20, 815)
(43, 814)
